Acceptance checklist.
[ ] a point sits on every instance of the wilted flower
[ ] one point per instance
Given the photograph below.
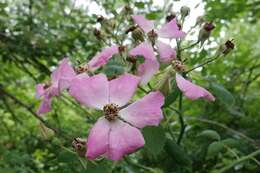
(205, 32)
(60, 80)
(117, 132)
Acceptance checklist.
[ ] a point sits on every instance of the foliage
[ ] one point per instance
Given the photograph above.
(35, 35)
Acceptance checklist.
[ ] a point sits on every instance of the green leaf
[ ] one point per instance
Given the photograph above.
(101, 167)
(139, 5)
(211, 135)
(153, 15)
(215, 148)
(154, 139)
(222, 94)
(177, 153)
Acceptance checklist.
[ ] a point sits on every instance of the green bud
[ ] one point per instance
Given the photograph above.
(185, 11)
(138, 35)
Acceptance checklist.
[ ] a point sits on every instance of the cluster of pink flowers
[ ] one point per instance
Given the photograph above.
(117, 132)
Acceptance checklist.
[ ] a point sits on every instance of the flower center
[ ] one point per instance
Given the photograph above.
(111, 111)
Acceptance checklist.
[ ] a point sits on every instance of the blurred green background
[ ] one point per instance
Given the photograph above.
(36, 34)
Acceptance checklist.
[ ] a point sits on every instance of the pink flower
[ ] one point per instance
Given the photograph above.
(191, 90)
(169, 30)
(60, 80)
(150, 65)
(116, 133)
(102, 58)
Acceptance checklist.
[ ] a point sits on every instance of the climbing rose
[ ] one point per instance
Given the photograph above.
(117, 132)
(169, 30)
(191, 90)
(60, 80)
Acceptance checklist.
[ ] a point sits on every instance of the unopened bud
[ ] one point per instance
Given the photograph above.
(205, 32)
(170, 17)
(227, 47)
(131, 59)
(138, 35)
(97, 33)
(79, 146)
(131, 29)
(127, 9)
(152, 36)
(164, 83)
(185, 11)
(200, 20)
(178, 66)
(100, 19)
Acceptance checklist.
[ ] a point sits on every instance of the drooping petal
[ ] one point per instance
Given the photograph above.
(123, 139)
(45, 105)
(191, 90)
(171, 30)
(150, 65)
(142, 22)
(91, 91)
(147, 70)
(166, 52)
(122, 89)
(98, 139)
(40, 90)
(145, 49)
(102, 57)
(64, 71)
(144, 112)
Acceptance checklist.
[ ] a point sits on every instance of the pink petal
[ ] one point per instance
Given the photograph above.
(91, 91)
(171, 30)
(191, 90)
(64, 70)
(147, 70)
(150, 65)
(166, 52)
(102, 57)
(142, 22)
(123, 139)
(64, 83)
(144, 49)
(40, 90)
(144, 112)
(122, 89)
(45, 106)
(98, 139)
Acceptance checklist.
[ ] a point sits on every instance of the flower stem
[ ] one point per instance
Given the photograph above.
(182, 123)
(201, 65)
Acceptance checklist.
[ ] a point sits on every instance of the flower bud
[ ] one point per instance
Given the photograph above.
(152, 36)
(170, 17)
(100, 19)
(178, 66)
(138, 35)
(227, 47)
(205, 32)
(97, 34)
(164, 83)
(185, 11)
(79, 146)
(200, 20)
(127, 9)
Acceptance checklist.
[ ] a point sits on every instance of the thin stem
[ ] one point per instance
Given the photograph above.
(252, 141)
(141, 88)
(201, 65)
(242, 159)
(183, 126)
(190, 46)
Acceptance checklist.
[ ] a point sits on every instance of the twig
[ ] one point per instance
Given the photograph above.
(242, 159)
